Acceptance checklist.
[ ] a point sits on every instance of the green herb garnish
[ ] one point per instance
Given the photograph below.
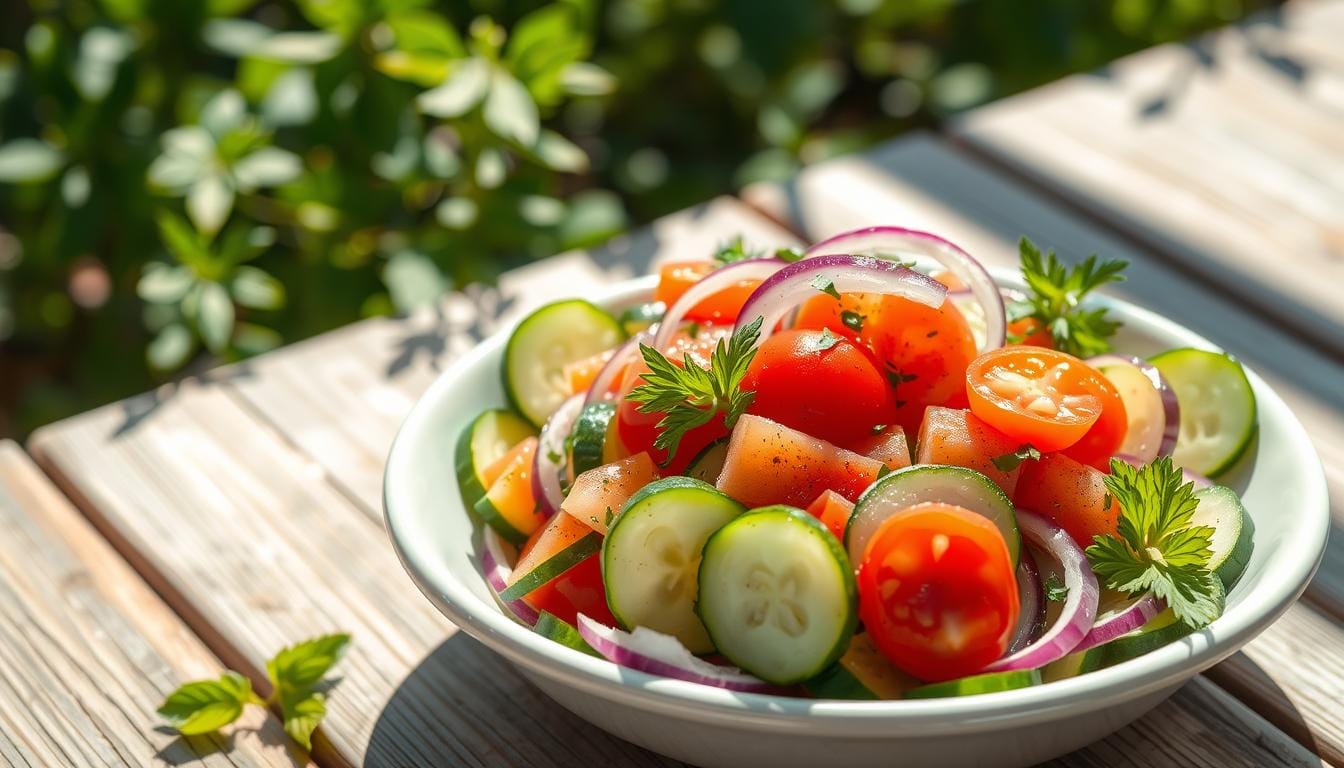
(1055, 295)
(1010, 461)
(853, 320)
(1055, 591)
(826, 286)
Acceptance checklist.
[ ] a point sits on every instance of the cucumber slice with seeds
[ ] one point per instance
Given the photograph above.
(487, 438)
(544, 343)
(1218, 417)
(651, 556)
(1233, 532)
(777, 594)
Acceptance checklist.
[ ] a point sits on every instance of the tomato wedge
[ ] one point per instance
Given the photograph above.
(937, 592)
(1039, 396)
(676, 277)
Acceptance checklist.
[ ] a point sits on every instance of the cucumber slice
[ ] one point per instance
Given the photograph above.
(544, 343)
(487, 438)
(708, 463)
(1233, 532)
(861, 673)
(927, 482)
(651, 556)
(777, 594)
(590, 436)
(641, 316)
(1218, 417)
(976, 684)
(555, 628)
(553, 566)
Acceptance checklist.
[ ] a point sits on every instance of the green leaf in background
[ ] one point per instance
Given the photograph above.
(341, 17)
(207, 705)
(101, 51)
(214, 316)
(251, 339)
(582, 78)
(425, 46)
(29, 161)
(593, 217)
(303, 665)
(302, 715)
(209, 202)
(460, 93)
(560, 154)
(255, 289)
(182, 240)
(171, 348)
(164, 284)
(267, 167)
(413, 280)
(291, 99)
(491, 168)
(510, 112)
(223, 113)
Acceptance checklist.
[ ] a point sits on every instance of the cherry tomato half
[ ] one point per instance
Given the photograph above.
(937, 591)
(819, 384)
(1039, 396)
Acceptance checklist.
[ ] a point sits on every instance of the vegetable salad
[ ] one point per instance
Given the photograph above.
(860, 471)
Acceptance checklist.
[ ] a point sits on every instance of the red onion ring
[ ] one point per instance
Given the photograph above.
(1116, 623)
(659, 654)
(1162, 442)
(1187, 475)
(546, 471)
(783, 290)
(601, 386)
(497, 574)
(1033, 607)
(719, 279)
(1080, 606)
(897, 241)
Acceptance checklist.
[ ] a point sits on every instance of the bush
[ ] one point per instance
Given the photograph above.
(184, 183)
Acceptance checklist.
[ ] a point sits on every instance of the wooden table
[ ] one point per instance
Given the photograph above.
(227, 516)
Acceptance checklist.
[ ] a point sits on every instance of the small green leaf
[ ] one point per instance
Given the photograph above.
(209, 202)
(251, 339)
(183, 241)
(291, 99)
(214, 316)
(413, 280)
(255, 289)
(207, 705)
(491, 168)
(303, 665)
(510, 113)
(1055, 591)
(164, 284)
(460, 93)
(560, 154)
(171, 348)
(302, 715)
(583, 78)
(826, 286)
(1010, 461)
(26, 161)
(224, 112)
(852, 320)
(299, 47)
(267, 167)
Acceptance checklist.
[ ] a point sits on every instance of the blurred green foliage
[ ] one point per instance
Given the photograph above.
(184, 182)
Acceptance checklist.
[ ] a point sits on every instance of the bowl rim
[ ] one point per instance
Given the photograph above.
(1285, 577)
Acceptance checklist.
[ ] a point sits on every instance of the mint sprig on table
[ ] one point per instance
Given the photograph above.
(296, 675)
(1054, 297)
(1159, 548)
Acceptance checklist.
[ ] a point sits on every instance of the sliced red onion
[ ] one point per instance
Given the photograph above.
(659, 654)
(785, 289)
(719, 279)
(546, 470)
(1156, 421)
(1189, 476)
(497, 573)
(899, 241)
(615, 365)
(1080, 606)
(1115, 623)
(1033, 605)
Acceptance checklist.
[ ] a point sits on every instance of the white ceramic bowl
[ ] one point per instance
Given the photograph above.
(1282, 485)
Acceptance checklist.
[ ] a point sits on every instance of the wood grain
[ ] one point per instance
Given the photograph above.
(88, 651)
(251, 500)
(1225, 154)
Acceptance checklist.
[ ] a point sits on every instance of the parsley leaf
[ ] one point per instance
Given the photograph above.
(1055, 294)
(1159, 549)
(824, 341)
(853, 320)
(303, 665)
(689, 396)
(789, 255)
(1010, 461)
(733, 251)
(825, 285)
(1055, 591)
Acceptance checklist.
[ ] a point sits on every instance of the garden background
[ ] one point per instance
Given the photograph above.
(189, 182)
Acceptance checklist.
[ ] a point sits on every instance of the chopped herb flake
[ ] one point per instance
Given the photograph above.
(826, 286)
(1010, 461)
(853, 320)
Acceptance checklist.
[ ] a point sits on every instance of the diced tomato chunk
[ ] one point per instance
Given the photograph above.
(958, 437)
(581, 373)
(888, 446)
(1070, 493)
(510, 494)
(768, 463)
(490, 474)
(833, 510)
(574, 591)
(598, 494)
(676, 277)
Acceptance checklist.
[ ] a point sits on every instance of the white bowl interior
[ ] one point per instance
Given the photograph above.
(1280, 480)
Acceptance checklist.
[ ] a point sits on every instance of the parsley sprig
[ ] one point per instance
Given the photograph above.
(736, 249)
(1159, 548)
(689, 396)
(1055, 295)
(296, 676)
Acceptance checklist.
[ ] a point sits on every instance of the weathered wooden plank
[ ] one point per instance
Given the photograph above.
(920, 182)
(341, 397)
(88, 651)
(1226, 154)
